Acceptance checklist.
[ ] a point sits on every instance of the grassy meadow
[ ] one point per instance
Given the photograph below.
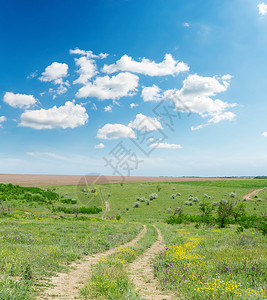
(43, 230)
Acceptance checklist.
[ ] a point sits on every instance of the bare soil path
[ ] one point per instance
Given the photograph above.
(66, 285)
(247, 196)
(141, 273)
(107, 210)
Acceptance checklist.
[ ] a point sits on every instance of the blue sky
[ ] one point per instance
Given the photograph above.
(82, 80)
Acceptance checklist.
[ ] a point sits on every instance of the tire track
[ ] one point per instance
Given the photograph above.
(66, 285)
(141, 273)
(247, 196)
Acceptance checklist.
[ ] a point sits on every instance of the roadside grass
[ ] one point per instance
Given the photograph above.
(34, 249)
(212, 263)
(109, 279)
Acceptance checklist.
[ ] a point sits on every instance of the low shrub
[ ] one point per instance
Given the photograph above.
(153, 196)
(68, 201)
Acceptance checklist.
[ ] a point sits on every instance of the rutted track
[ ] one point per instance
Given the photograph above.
(66, 285)
(107, 210)
(247, 196)
(141, 273)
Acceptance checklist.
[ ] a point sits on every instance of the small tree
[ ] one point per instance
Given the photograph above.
(224, 210)
(238, 210)
(232, 195)
(205, 208)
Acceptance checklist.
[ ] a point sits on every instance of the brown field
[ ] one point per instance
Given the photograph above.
(56, 180)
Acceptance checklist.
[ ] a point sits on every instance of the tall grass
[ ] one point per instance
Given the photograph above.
(31, 249)
(212, 263)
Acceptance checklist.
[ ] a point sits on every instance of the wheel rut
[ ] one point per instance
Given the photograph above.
(66, 285)
(141, 273)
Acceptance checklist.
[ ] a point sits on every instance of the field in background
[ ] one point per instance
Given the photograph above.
(56, 180)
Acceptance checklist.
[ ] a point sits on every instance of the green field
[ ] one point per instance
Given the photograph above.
(43, 230)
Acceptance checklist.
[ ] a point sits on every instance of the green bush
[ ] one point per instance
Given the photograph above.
(153, 196)
(68, 201)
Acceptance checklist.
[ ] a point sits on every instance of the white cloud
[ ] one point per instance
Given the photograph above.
(144, 123)
(262, 8)
(115, 87)
(19, 100)
(87, 70)
(55, 73)
(226, 116)
(264, 134)
(195, 95)
(86, 64)
(132, 105)
(186, 24)
(198, 127)
(67, 116)
(59, 91)
(108, 108)
(166, 146)
(227, 77)
(114, 132)
(151, 93)
(2, 120)
(89, 53)
(99, 146)
(169, 66)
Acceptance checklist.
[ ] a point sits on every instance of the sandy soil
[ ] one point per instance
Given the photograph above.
(249, 195)
(141, 273)
(66, 285)
(55, 180)
(107, 210)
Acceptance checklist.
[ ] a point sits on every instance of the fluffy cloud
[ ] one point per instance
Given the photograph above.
(86, 64)
(166, 146)
(262, 8)
(114, 132)
(67, 116)
(99, 146)
(264, 134)
(151, 93)
(144, 123)
(55, 73)
(2, 120)
(115, 87)
(108, 108)
(186, 24)
(169, 66)
(195, 95)
(87, 69)
(19, 100)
